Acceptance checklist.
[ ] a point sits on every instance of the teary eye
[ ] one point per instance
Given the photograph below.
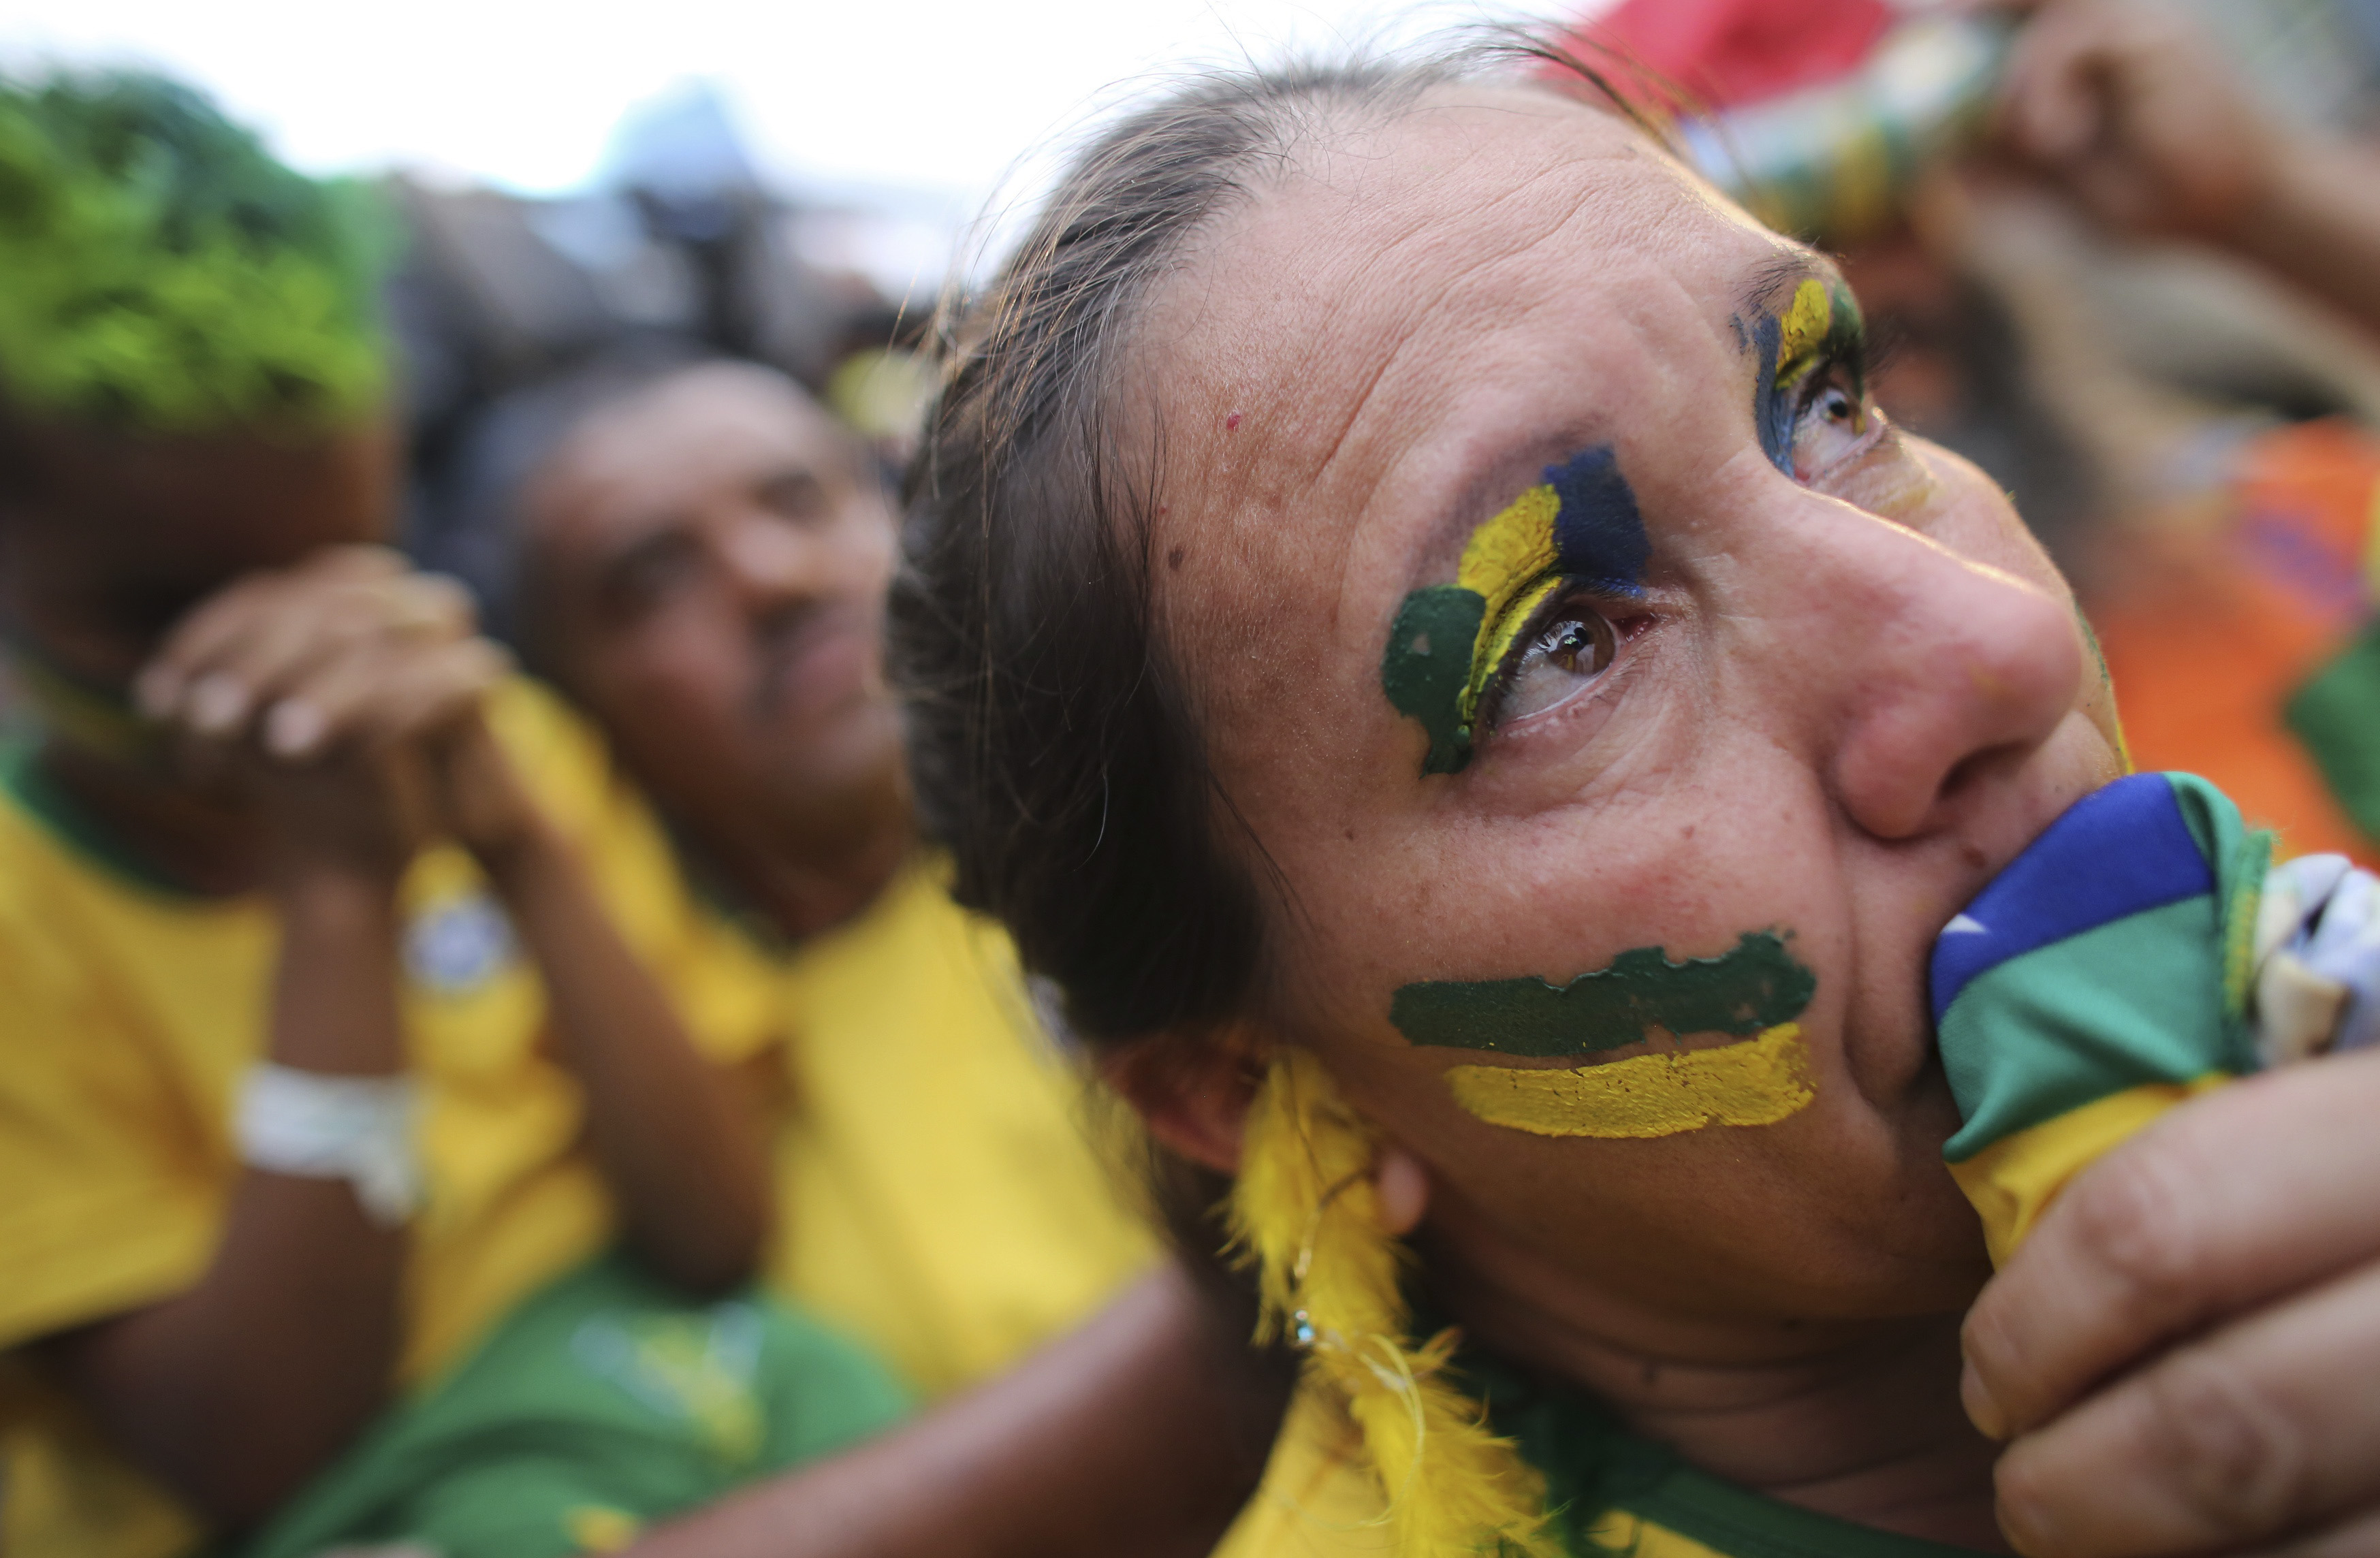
(1832, 420)
(1563, 655)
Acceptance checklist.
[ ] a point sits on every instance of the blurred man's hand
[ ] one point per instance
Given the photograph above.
(344, 694)
(2137, 114)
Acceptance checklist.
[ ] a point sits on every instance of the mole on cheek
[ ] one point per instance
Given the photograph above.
(1579, 524)
(1753, 991)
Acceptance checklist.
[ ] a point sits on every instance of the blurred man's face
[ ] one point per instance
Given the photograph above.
(709, 561)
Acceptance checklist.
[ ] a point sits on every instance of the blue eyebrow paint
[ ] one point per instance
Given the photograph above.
(1599, 535)
(1772, 413)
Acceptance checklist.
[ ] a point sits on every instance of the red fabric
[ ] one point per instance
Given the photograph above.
(1729, 52)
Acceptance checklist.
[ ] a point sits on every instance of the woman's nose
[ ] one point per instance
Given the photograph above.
(1944, 671)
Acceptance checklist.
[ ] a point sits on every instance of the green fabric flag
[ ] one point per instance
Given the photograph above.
(603, 1402)
(2338, 716)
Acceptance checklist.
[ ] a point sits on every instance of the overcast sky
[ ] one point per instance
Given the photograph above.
(932, 93)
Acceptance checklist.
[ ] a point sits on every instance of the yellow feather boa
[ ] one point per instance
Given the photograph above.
(1306, 1213)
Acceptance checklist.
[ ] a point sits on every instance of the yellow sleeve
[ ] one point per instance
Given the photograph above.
(1316, 1499)
(724, 991)
(112, 1198)
(940, 1195)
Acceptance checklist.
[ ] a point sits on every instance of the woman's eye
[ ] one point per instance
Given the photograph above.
(1833, 419)
(1562, 660)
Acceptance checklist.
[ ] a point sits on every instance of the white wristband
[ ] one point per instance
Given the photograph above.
(355, 1128)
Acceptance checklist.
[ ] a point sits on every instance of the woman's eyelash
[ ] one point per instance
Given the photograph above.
(1573, 595)
(1847, 352)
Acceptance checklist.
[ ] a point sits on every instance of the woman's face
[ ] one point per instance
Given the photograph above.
(1557, 608)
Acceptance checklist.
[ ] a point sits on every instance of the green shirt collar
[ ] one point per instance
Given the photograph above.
(1594, 1465)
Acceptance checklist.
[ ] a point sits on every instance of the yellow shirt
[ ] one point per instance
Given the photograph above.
(939, 1192)
(128, 1012)
(1319, 1500)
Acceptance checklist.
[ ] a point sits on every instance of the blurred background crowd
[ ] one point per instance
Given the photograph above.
(654, 424)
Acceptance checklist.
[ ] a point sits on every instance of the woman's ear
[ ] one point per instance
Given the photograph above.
(1401, 1186)
(1191, 1090)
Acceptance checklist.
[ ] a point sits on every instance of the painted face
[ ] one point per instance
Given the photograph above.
(1455, 647)
(1623, 704)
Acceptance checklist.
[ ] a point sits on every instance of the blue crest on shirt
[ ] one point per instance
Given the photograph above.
(457, 944)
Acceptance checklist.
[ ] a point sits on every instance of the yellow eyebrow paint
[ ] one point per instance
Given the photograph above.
(1756, 1082)
(1507, 563)
(1805, 328)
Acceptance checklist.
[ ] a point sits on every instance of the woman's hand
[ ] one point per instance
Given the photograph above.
(2186, 1354)
(342, 692)
(2134, 112)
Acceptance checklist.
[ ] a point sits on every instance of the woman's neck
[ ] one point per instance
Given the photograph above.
(1861, 1422)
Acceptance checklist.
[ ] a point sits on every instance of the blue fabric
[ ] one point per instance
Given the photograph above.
(2117, 852)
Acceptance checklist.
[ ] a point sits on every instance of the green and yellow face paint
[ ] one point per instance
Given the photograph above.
(1754, 992)
(1578, 525)
(1820, 326)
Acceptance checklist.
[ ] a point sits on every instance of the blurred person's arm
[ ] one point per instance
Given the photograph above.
(236, 1391)
(345, 694)
(679, 1149)
(2139, 117)
(1143, 1433)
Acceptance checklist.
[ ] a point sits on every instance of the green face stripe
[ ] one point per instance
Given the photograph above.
(1428, 665)
(1756, 986)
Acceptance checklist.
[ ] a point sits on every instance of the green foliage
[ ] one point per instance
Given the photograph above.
(160, 270)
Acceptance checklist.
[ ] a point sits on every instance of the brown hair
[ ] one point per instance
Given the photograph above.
(1055, 747)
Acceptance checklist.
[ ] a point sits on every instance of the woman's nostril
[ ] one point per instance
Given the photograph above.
(1964, 774)
(1967, 784)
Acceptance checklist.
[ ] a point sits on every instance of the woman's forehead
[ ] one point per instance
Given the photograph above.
(1456, 288)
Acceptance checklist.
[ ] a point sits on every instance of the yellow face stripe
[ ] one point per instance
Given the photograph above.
(1496, 636)
(1758, 1082)
(1505, 564)
(1511, 550)
(1804, 329)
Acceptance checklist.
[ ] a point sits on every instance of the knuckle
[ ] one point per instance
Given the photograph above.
(2027, 1490)
(1987, 1342)
(2131, 1215)
(2226, 1448)
(486, 658)
(365, 557)
(445, 593)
